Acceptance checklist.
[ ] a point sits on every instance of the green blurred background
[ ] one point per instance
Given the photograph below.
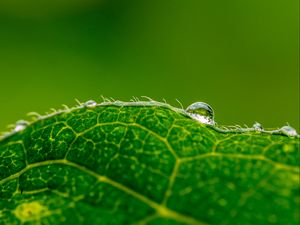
(241, 57)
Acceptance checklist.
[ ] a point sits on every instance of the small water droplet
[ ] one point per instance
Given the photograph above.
(202, 112)
(90, 104)
(289, 131)
(257, 126)
(21, 125)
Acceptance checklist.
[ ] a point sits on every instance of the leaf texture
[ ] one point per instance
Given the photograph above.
(145, 164)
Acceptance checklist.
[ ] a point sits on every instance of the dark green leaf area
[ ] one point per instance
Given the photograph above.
(145, 165)
(12, 158)
(239, 189)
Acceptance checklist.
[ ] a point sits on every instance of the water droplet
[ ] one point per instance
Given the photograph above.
(90, 104)
(289, 131)
(21, 125)
(202, 112)
(257, 126)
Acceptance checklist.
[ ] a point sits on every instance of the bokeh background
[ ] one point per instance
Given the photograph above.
(241, 57)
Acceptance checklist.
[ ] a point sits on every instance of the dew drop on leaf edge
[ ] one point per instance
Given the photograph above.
(289, 131)
(201, 112)
(257, 126)
(90, 104)
(21, 125)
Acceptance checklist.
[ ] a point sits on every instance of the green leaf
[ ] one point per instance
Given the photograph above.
(145, 163)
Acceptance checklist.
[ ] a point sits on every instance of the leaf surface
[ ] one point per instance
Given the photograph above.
(145, 164)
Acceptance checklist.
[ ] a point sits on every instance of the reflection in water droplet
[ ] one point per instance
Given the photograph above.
(21, 125)
(257, 126)
(288, 131)
(90, 104)
(202, 112)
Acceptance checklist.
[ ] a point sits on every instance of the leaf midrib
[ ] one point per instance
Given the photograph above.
(161, 209)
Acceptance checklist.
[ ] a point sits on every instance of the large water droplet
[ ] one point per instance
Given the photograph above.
(257, 126)
(202, 112)
(288, 131)
(90, 104)
(21, 125)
